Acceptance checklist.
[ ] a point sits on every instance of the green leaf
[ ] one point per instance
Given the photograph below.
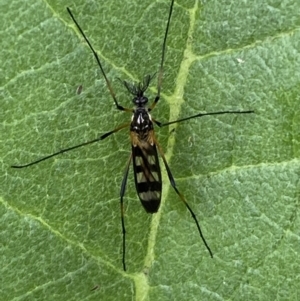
(60, 220)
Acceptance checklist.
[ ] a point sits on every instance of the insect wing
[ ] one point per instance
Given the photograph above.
(147, 175)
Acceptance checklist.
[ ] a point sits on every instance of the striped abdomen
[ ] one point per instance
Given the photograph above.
(147, 175)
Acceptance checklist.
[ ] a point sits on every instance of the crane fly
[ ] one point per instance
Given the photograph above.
(144, 145)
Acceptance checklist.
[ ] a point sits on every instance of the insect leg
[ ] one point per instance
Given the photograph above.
(112, 93)
(160, 73)
(172, 181)
(73, 147)
(201, 115)
(122, 193)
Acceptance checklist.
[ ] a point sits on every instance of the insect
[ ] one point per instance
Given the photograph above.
(144, 144)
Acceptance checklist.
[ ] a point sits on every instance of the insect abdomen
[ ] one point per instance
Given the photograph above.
(147, 176)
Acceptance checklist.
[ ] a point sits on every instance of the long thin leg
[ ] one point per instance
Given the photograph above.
(160, 73)
(201, 115)
(122, 193)
(172, 181)
(73, 147)
(112, 93)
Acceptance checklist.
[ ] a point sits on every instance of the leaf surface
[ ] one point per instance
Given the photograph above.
(60, 219)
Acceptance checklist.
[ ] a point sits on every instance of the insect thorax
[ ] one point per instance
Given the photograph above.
(141, 123)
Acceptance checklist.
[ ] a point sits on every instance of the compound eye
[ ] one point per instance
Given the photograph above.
(144, 100)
